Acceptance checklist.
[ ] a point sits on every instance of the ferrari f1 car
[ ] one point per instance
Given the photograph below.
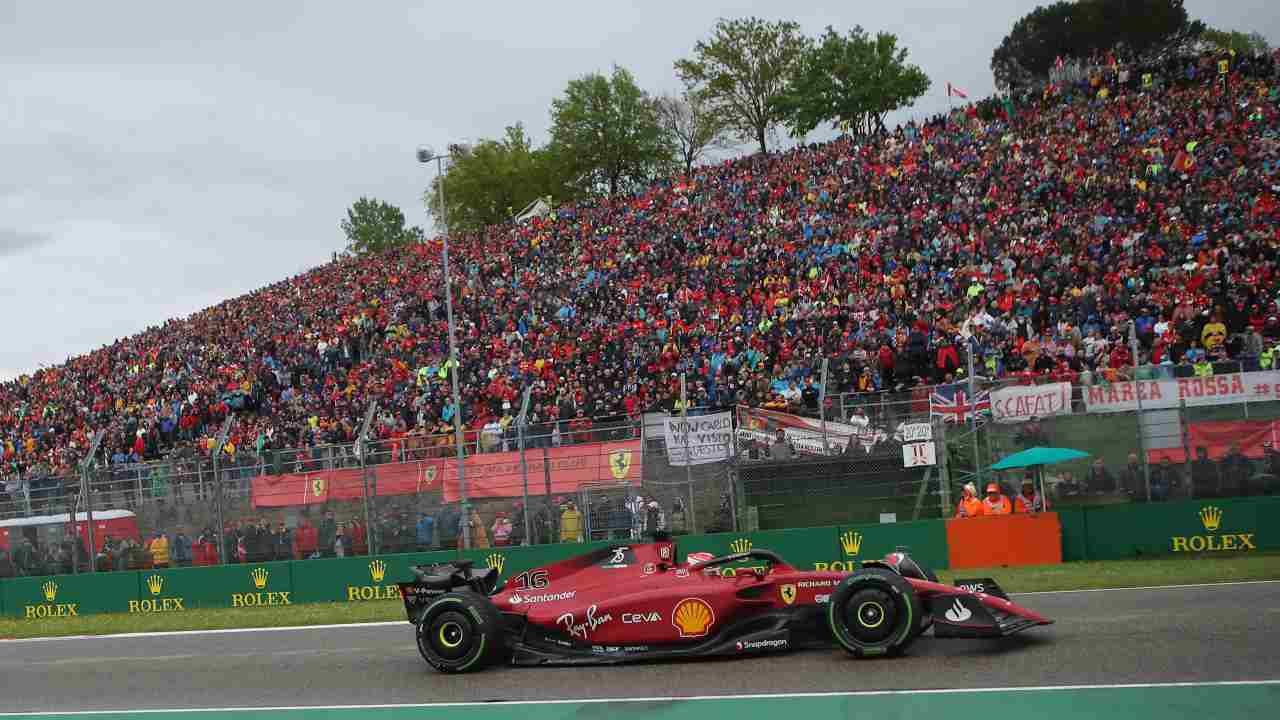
(636, 602)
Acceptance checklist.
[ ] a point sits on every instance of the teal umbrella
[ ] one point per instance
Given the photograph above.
(1039, 456)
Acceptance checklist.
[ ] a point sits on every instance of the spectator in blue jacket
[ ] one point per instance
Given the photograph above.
(426, 530)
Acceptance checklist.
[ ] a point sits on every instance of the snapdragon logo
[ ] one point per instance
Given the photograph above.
(773, 644)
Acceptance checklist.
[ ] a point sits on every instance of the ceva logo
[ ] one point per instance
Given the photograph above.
(260, 577)
(377, 590)
(50, 607)
(1211, 517)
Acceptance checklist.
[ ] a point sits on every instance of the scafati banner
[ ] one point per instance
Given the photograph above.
(1168, 394)
(699, 439)
(1023, 402)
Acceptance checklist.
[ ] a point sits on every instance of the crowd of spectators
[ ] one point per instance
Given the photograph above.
(1032, 230)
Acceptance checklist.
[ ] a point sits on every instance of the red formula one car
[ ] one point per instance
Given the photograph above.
(635, 602)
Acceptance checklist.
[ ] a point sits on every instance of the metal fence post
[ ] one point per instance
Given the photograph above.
(86, 469)
(822, 407)
(362, 455)
(733, 470)
(552, 520)
(973, 403)
(944, 467)
(217, 487)
(688, 467)
(1137, 390)
(521, 423)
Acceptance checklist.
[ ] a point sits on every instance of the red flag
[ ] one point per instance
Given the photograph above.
(956, 92)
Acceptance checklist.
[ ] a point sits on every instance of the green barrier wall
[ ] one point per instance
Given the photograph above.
(69, 595)
(1088, 533)
(1074, 532)
(1114, 532)
(233, 586)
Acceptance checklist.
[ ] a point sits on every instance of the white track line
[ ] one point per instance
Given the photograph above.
(598, 701)
(390, 623)
(1148, 587)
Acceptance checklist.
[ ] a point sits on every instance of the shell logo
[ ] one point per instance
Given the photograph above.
(692, 617)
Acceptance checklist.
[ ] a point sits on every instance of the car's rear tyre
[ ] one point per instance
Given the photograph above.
(874, 612)
(461, 632)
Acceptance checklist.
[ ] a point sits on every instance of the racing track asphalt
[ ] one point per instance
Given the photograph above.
(1118, 636)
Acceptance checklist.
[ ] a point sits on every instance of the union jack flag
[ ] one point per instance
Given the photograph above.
(952, 403)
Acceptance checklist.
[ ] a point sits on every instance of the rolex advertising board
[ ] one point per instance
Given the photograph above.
(802, 547)
(1185, 527)
(924, 540)
(234, 586)
(67, 596)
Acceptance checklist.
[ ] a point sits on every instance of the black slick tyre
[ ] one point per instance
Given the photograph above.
(874, 612)
(461, 632)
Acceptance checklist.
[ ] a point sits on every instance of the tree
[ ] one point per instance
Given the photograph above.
(373, 226)
(856, 79)
(605, 134)
(1252, 43)
(1078, 29)
(489, 182)
(691, 128)
(742, 69)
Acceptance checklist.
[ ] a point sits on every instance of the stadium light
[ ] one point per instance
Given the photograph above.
(426, 155)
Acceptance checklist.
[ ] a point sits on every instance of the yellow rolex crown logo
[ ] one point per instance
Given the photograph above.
(155, 584)
(50, 591)
(259, 576)
(1211, 517)
(377, 570)
(495, 561)
(851, 542)
(740, 545)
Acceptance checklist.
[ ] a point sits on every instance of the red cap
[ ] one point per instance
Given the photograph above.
(993, 488)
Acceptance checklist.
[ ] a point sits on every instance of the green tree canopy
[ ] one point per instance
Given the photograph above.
(1078, 29)
(855, 79)
(605, 135)
(742, 69)
(373, 226)
(691, 127)
(489, 182)
(1253, 42)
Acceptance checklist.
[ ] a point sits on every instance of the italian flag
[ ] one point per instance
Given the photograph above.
(955, 92)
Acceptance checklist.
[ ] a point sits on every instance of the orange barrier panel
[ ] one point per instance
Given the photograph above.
(995, 541)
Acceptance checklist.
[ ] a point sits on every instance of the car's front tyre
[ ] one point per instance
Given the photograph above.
(461, 632)
(874, 612)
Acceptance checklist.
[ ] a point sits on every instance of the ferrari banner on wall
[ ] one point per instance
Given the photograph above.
(487, 475)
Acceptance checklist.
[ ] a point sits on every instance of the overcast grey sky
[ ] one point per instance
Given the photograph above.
(159, 157)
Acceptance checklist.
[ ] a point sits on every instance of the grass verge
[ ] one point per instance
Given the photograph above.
(1206, 568)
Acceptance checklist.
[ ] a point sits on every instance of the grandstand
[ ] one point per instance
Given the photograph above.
(1033, 234)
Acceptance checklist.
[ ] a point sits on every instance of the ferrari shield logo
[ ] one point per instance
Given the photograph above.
(427, 477)
(317, 486)
(788, 593)
(620, 463)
